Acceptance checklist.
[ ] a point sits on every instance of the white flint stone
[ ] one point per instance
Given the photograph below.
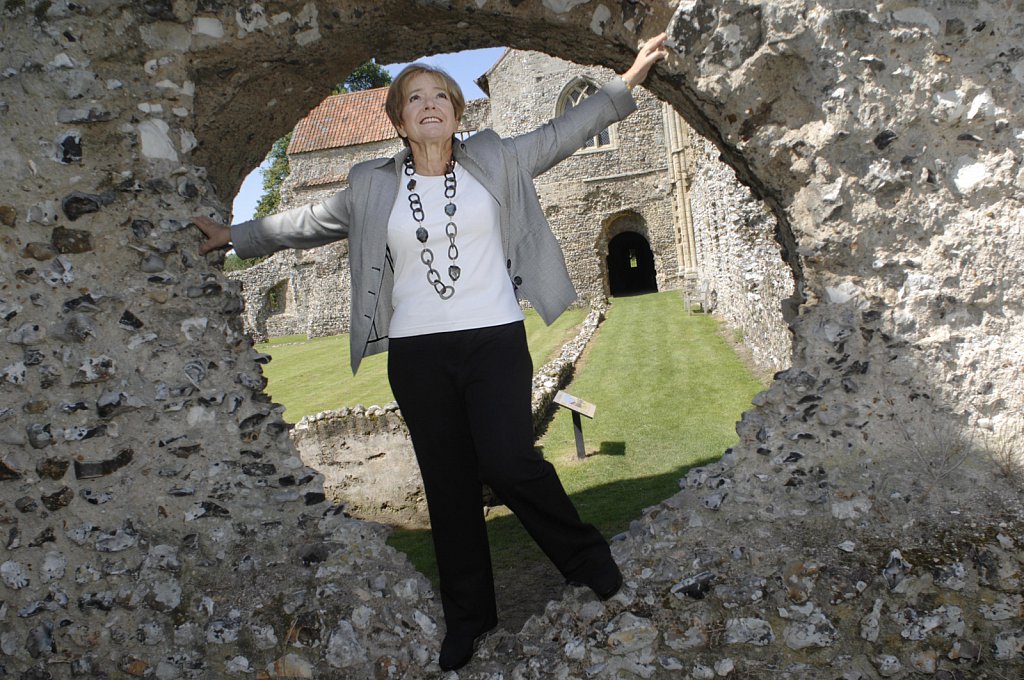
(847, 546)
(724, 667)
(628, 633)
(924, 661)
(816, 631)
(855, 508)
(425, 622)
(253, 18)
(562, 6)
(194, 328)
(27, 334)
(702, 672)
(188, 139)
(167, 671)
(949, 106)
(222, 632)
(43, 213)
(167, 594)
(843, 293)
(748, 631)
(968, 173)
(208, 26)
(888, 665)
(156, 144)
(575, 649)
(1006, 608)
(62, 60)
(916, 16)
(117, 541)
(1008, 645)
(238, 664)
(600, 19)
(14, 575)
(15, 373)
(343, 647)
(983, 106)
(362, 616)
(263, 637)
(871, 623)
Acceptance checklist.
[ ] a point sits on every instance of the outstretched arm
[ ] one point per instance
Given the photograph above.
(650, 53)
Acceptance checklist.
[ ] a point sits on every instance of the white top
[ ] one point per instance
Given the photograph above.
(484, 295)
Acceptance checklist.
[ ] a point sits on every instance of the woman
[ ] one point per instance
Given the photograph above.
(443, 238)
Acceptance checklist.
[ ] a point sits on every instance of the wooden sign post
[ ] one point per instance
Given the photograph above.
(577, 406)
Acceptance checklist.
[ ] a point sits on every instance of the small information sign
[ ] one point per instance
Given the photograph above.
(577, 406)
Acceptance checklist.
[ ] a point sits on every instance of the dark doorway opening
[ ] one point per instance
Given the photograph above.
(630, 265)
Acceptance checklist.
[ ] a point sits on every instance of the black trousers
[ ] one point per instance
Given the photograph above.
(465, 397)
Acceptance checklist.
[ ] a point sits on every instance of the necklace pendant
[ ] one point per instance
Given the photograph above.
(453, 272)
(421, 234)
(449, 209)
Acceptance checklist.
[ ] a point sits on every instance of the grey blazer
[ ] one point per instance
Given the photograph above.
(505, 167)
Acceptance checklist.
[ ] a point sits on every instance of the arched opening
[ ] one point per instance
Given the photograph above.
(187, 95)
(620, 229)
(631, 265)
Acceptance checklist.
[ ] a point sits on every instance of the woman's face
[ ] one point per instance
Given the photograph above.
(427, 112)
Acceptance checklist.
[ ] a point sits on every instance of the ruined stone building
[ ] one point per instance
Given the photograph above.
(156, 521)
(621, 207)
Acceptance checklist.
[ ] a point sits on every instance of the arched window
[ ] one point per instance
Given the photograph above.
(578, 90)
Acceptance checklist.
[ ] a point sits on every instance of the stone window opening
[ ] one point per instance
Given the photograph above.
(276, 298)
(575, 92)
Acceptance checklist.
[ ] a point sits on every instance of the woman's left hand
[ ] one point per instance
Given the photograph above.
(650, 53)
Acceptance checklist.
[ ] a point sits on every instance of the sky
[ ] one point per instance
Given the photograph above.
(464, 67)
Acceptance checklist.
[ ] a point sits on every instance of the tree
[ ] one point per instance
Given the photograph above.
(273, 177)
(365, 77)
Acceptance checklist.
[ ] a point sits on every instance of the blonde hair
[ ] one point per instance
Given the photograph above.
(396, 92)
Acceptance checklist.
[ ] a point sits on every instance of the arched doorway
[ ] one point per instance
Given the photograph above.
(631, 265)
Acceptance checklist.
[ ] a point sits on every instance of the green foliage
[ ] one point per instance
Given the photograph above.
(366, 77)
(233, 263)
(664, 404)
(273, 176)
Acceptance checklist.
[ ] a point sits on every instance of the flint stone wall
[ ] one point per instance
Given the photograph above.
(158, 522)
(741, 275)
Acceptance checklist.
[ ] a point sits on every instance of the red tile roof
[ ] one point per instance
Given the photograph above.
(344, 120)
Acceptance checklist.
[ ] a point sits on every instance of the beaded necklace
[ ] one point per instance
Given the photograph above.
(443, 290)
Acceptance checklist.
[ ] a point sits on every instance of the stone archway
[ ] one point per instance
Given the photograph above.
(157, 521)
(630, 265)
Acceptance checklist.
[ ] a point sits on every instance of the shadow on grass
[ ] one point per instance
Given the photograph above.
(525, 581)
(612, 449)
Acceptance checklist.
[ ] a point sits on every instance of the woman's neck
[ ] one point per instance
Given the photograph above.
(431, 159)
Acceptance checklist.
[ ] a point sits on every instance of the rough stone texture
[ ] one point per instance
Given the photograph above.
(741, 275)
(853, 531)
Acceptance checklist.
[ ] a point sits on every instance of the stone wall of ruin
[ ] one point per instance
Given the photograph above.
(741, 275)
(157, 522)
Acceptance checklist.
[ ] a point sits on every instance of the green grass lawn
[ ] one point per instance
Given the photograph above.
(668, 390)
(309, 376)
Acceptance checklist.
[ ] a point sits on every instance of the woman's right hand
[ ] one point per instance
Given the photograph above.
(217, 235)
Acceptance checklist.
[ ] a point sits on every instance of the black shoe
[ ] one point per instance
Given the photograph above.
(605, 583)
(457, 650)
(608, 584)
